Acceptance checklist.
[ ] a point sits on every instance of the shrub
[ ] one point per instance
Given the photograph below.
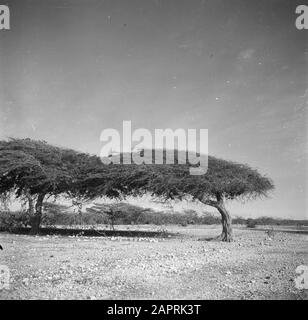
(10, 221)
(251, 223)
(270, 233)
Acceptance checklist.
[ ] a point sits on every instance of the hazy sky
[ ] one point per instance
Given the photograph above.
(71, 68)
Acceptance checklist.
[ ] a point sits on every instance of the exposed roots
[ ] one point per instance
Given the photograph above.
(226, 237)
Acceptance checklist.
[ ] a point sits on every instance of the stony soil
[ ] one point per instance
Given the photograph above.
(255, 266)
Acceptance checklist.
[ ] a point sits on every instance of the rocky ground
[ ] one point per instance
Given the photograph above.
(255, 266)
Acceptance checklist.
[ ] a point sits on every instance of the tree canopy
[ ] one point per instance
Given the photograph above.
(35, 169)
(226, 179)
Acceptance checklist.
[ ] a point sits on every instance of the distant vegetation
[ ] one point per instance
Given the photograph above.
(127, 214)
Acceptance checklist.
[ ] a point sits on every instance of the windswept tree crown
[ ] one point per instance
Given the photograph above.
(38, 167)
(223, 179)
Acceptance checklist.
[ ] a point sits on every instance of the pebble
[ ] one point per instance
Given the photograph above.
(26, 281)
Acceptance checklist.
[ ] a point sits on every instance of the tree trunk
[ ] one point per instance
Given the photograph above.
(31, 206)
(36, 219)
(226, 221)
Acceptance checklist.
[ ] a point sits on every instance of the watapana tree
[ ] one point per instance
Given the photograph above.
(223, 181)
(35, 170)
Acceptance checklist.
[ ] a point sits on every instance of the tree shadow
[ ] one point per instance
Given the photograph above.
(94, 233)
(212, 239)
(282, 230)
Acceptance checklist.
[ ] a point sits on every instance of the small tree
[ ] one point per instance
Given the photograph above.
(36, 170)
(112, 211)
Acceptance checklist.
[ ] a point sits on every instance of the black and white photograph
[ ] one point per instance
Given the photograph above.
(153, 150)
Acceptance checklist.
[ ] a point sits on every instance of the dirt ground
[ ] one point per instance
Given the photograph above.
(254, 266)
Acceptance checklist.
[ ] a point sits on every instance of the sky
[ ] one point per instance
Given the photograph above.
(72, 68)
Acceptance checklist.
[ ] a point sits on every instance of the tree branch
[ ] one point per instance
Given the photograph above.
(209, 202)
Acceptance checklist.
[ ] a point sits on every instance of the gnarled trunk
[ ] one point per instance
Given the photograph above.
(31, 205)
(37, 217)
(226, 221)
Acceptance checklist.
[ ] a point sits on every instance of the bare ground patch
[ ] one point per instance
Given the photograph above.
(62, 267)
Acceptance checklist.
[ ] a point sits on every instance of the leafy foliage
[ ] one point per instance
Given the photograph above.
(35, 167)
(226, 179)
